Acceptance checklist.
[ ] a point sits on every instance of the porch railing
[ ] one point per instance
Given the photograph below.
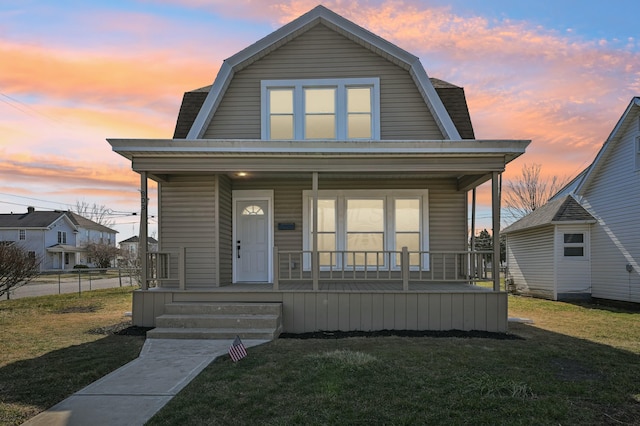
(347, 266)
(404, 266)
(165, 266)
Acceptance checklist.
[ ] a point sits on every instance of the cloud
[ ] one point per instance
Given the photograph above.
(144, 80)
(522, 81)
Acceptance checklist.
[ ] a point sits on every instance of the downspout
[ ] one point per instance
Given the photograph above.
(143, 231)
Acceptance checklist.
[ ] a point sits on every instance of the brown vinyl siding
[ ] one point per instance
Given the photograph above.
(317, 54)
(188, 220)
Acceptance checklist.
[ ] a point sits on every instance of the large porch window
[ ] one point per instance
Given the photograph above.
(356, 228)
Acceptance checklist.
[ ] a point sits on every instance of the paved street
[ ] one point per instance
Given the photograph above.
(48, 284)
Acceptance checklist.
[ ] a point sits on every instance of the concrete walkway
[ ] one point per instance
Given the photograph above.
(132, 394)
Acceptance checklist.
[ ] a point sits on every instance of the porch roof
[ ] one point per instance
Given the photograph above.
(130, 148)
(470, 161)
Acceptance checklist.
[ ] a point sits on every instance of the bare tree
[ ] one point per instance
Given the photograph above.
(98, 213)
(17, 267)
(529, 191)
(101, 254)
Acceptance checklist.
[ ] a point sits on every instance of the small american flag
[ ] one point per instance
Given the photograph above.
(237, 350)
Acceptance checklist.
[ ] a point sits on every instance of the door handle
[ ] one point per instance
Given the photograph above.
(238, 249)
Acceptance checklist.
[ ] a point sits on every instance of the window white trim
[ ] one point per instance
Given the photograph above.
(389, 196)
(341, 86)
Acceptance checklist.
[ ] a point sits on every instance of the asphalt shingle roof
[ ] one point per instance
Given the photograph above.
(42, 219)
(563, 209)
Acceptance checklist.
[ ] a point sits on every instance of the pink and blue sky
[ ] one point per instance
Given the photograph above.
(75, 73)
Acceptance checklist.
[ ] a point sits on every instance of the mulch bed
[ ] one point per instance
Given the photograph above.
(126, 329)
(401, 333)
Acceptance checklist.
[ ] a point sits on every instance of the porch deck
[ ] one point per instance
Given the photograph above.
(347, 287)
(348, 306)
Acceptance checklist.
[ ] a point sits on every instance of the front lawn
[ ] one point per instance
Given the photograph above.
(574, 365)
(53, 346)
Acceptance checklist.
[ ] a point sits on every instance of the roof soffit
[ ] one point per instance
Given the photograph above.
(352, 31)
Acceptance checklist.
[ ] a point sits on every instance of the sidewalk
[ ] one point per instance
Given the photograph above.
(132, 394)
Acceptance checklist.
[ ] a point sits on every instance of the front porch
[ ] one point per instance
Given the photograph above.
(443, 297)
(349, 306)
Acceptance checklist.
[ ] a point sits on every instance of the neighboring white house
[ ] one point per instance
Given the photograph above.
(130, 247)
(586, 240)
(58, 238)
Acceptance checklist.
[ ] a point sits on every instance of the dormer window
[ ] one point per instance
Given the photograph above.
(346, 109)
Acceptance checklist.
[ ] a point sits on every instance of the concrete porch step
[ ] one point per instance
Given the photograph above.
(213, 320)
(223, 308)
(217, 321)
(213, 333)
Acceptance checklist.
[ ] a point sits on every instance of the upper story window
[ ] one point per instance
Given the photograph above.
(22, 234)
(344, 109)
(62, 237)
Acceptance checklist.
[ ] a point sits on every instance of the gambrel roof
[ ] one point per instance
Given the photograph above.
(322, 15)
(451, 96)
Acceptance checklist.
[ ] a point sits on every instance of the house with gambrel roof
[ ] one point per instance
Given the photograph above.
(323, 174)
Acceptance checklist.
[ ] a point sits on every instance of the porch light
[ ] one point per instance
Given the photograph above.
(241, 174)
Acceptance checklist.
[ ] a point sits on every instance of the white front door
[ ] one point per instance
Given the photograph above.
(252, 246)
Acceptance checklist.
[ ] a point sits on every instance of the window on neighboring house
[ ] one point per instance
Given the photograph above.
(573, 245)
(321, 109)
(354, 222)
(23, 234)
(62, 237)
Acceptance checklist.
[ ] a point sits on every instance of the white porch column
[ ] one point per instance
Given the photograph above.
(315, 258)
(496, 186)
(143, 231)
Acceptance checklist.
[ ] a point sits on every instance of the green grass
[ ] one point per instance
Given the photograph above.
(575, 365)
(50, 348)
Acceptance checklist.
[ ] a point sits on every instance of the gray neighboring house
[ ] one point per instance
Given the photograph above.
(56, 237)
(325, 173)
(130, 248)
(585, 242)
